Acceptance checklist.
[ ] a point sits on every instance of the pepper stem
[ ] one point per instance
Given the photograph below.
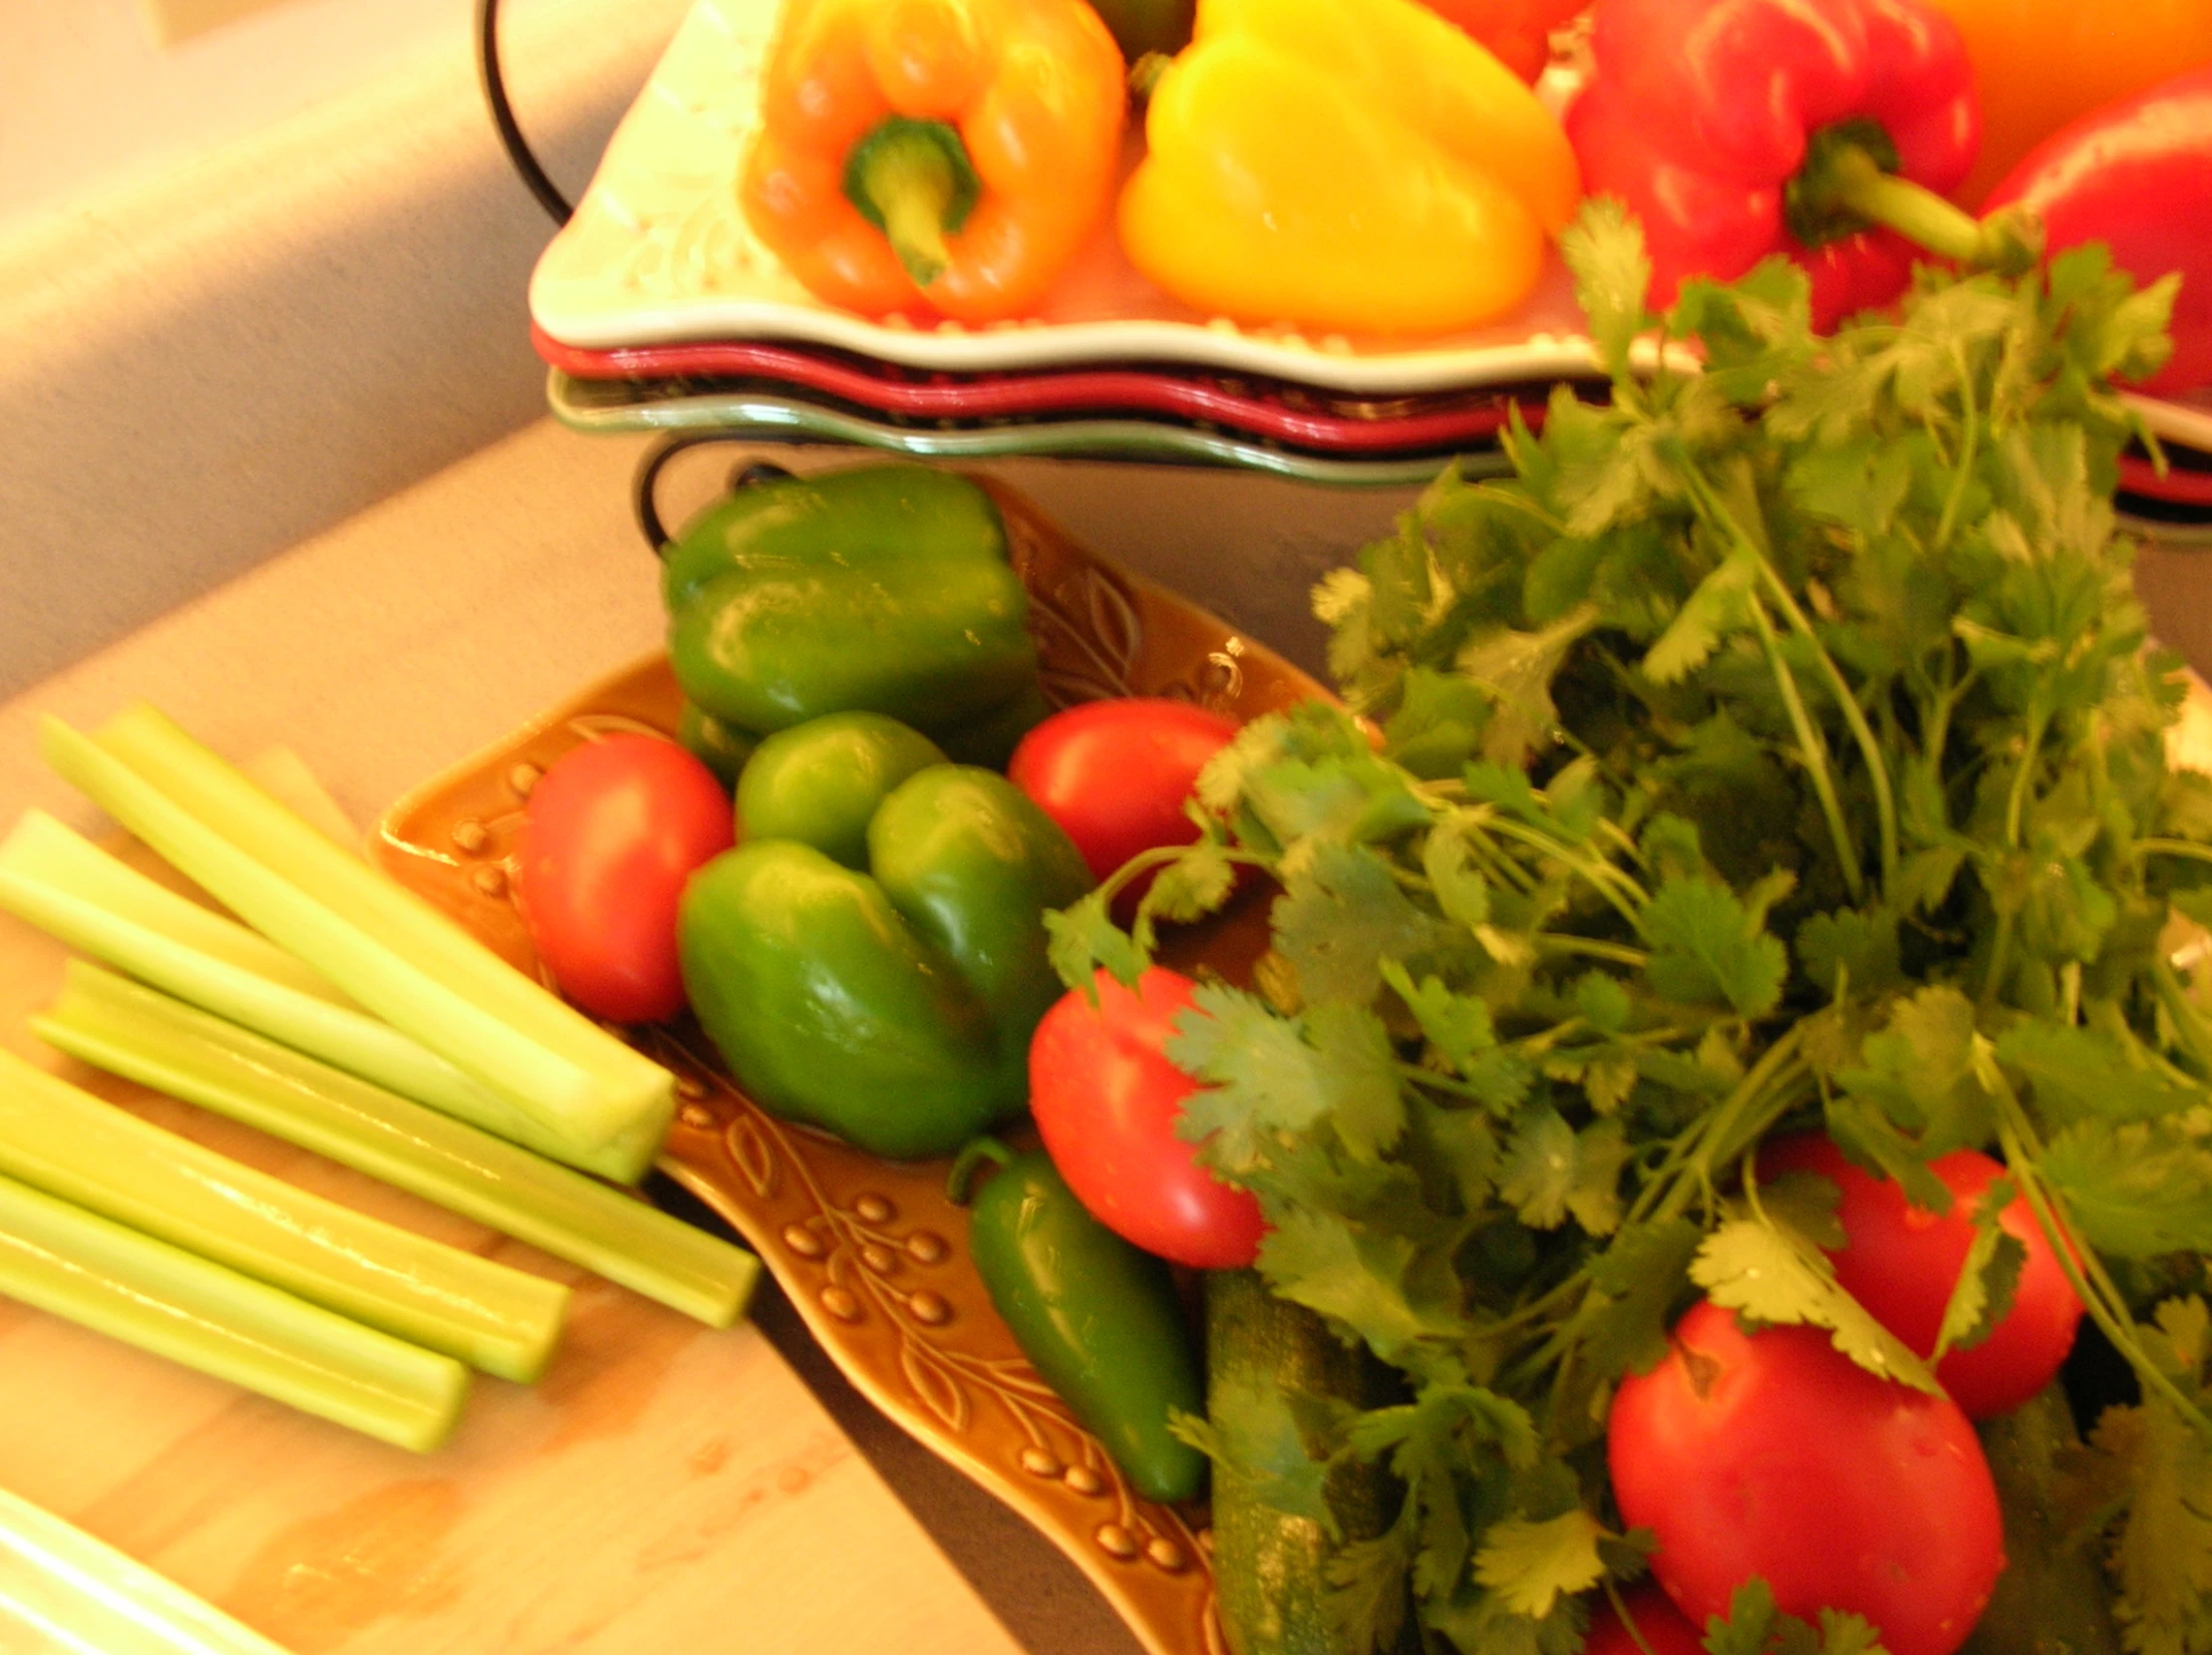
(1849, 182)
(912, 181)
(1915, 212)
(968, 1165)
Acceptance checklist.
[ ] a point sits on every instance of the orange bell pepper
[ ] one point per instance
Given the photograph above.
(945, 156)
(1353, 164)
(2041, 64)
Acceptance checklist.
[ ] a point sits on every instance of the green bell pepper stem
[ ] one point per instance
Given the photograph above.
(77, 1147)
(161, 1043)
(91, 1270)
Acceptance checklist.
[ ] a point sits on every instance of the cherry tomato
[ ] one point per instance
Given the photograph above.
(1663, 1627)
(612, 830)
(1900, 1261)
(1773, 1455)
(1105, 1099)
(1114, 773)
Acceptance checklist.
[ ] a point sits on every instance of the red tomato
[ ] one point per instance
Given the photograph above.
(1114, 773)
(1663, 1627)
(1773, 1455)
(1106, 1099)
(612, 830)
(1901, 1261)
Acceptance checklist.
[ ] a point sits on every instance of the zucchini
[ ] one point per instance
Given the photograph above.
(1267, 1360)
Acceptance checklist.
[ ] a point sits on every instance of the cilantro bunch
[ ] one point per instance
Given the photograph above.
(1778, 747)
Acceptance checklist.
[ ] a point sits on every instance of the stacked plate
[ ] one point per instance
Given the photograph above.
(657, 309)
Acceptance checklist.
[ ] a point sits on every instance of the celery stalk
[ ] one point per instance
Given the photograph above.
(62, 882)
(62, 1140)
(161, 1043)
(106, 1276)
(40, 850)
(393, 953)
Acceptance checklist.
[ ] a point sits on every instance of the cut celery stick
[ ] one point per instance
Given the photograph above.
(43, 851)
(59, 1589)
(62, 1140)
(159, 1042)
(283, 774)
(223, 797)
(133, 1287)
(411, 965)
(60, 881)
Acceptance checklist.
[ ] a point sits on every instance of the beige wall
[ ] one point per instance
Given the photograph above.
(249, 321)
(87, 99)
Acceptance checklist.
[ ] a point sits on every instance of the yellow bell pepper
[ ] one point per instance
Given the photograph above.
(2040, 64)
(1359, 166)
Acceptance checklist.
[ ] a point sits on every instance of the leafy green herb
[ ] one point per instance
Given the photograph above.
(1778, 747)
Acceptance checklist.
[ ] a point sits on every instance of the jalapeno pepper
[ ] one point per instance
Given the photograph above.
(879, 589)
(893, 1006)
(1099, 1318)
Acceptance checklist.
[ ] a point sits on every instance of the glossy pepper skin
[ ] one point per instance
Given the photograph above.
(823, 781)
(944, 156)
(1699, 115)
(882, 588)
(892, 1007)
(2040, 65)
(1351, 165)
(1518, 32)
(1099, 1319)
(2137, 177)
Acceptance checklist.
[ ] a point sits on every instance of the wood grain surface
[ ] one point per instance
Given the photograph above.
(665, 1488)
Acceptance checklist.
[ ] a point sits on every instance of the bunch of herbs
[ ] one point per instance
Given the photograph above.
(1779, 746)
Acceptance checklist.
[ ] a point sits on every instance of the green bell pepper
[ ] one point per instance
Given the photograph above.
(823, 781)
(892, 1007)
(883, 589)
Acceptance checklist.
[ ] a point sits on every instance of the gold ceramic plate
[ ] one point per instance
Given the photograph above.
(872, 1252)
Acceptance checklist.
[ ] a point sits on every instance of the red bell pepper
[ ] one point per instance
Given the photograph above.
(2137, 177)
(1737, 129)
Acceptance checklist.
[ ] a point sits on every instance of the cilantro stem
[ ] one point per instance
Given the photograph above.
(1623, 892)
(1814, 750)
(2188, 1022)
(1716, 511)
(2098, 1296)
(2016, 801)
(1968, 446)
(2173, 847)
(1549, 942)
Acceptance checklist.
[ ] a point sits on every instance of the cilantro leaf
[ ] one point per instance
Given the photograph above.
(1531, 1565)
(1707, 946)
(1604, 247)
(1772, 1274)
